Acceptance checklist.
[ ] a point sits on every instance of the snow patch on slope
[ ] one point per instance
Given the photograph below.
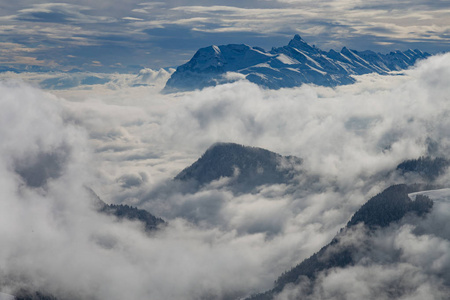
(440, 195)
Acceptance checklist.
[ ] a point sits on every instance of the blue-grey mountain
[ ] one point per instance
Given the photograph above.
(287, 66)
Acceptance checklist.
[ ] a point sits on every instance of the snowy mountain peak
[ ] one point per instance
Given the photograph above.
(288, 66)
(207, 59)
(298, 43)
(345, 50)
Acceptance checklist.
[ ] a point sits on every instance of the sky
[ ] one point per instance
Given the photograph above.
(126, 36)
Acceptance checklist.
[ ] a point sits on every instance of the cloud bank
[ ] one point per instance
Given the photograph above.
(128, 142)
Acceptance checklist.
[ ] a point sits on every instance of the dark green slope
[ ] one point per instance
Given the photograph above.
(247, 166)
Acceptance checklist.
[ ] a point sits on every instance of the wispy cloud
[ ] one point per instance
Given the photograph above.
(59, 13)
(86, 29)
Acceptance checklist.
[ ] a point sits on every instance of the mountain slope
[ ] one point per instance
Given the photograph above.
(427, 167)
(287, 66)
(380, 211)
(131, 213)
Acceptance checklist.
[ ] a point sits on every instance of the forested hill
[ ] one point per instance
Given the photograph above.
(427, 167)
(133, 214)
(245, 167)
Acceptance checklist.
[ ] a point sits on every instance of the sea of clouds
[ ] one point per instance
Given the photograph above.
(123, 139)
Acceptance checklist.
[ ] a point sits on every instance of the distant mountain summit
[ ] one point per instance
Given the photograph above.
(287, 66)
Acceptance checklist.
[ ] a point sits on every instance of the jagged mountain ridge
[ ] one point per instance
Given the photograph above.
(286, 66)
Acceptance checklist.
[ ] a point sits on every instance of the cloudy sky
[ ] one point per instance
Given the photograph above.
(118, 135)
(130, 34)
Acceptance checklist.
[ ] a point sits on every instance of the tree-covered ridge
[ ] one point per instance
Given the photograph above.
(132, 213)
(380, 211)
(391, 205)
(122, 211)
(249, 166)
(425, 166)
(322, 260)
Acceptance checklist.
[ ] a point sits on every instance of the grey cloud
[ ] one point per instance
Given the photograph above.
(59, 13)
(132, 180)
(400, 5)
(378, 282)
(66, 81)
(37, 170)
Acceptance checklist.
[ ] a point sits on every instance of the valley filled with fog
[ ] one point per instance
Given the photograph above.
(66, 135)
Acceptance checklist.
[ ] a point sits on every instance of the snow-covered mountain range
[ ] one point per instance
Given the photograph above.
(286, 66)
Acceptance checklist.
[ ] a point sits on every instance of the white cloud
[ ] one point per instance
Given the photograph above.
(127, 142)
(400, 262)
